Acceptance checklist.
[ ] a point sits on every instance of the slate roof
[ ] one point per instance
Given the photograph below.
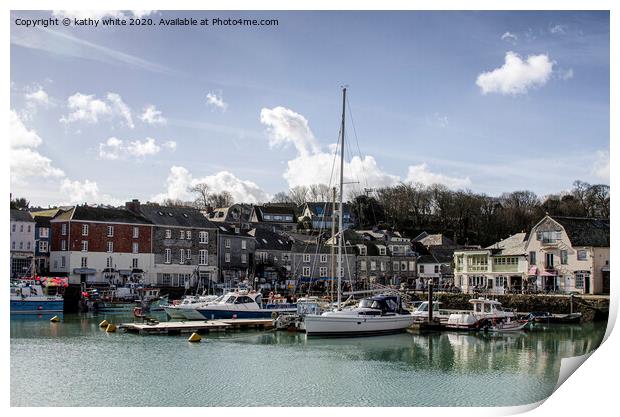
(21, 216)
(175, 216)
(101, 214)
(275, 210)
(311, 249)
(583, 231)
(436, 240)
(268, 240)
(229, 230)
(512, 245)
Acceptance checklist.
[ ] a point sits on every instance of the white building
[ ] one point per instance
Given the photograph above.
(22, 243)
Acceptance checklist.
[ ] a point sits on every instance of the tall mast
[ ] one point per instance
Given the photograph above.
(340, 231)
(332, 258)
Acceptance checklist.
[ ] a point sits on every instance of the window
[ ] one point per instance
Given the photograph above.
(55, 264)
(13, 245)
(548, 260)
(136, 232)
(227, 243)
(306, 271)
(582, 255)
(167, 256)
(182, 234)
(134, 263)
(85, 246)
(306, 257)
(109, 262)
(204, 237)
(168, 234)
(110, 231)
(44, 232)
(165, 279)
(564, 257)
(395, 266)
(323, 258)
(28, 229)
(227, 257)
(244, 244)
(580, 277)
(373, 265)
(501, 282)
(382, 265)
(323, 271)
(532, 258)
(362, 265)
(63, 229)
(188, 254)
(182, 256)
(135, 247)
(28, 245)
(412, 265)
(362, 250)
(110, 247)
(403, 266)
(62, 261)
(421, 269)
(382, 250)
(244, 258)
(84, 230)
(436, 269)
(84, 262)
(21, 228)
(204, 257)
(188, 234)
(21, 245)
(14, 226)
(63, 245)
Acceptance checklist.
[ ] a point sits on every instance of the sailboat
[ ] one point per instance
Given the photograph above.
(380, 314)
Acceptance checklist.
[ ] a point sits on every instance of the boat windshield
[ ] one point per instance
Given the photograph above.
(230, 300)
(368, 303)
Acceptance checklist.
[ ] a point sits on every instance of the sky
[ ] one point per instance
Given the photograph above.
(492, 102)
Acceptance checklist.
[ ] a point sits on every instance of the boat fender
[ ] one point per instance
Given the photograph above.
(55, 319)
(104, 323)
(111, 328)
(194, 338)
(274, 315)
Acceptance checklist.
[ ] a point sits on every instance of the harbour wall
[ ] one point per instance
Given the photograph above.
(592, 308)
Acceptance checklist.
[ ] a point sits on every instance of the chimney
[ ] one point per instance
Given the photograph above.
(133, 206)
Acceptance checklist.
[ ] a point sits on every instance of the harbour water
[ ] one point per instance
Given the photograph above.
(75, 363)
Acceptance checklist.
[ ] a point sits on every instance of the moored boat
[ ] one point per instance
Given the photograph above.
(244, 304)
(484, 311)
(30, 296)
(421, 313)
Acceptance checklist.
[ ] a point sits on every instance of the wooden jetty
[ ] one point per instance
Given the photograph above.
(179, 327)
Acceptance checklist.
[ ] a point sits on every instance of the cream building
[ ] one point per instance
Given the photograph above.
(569, 254)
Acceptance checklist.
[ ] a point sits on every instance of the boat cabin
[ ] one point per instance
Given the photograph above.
(382, 304)
(484, 306)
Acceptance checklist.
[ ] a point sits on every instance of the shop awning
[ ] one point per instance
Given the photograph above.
(546, 274)
(124, 271)
(87, 271)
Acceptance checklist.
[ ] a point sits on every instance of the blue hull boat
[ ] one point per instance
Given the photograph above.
(36, 306)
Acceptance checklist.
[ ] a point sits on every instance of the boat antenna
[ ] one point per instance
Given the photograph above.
(340, 268)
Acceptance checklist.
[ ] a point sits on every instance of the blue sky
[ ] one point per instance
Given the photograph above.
(489, 101)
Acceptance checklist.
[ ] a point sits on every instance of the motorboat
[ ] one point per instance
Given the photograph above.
(186, 309)
(507, 326)
(484, 311)
(377, 315)
(245, 304)
(421, 313)
(31, 296)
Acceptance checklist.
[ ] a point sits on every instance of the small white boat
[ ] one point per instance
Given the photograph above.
(421, 313)
(186, 309)
(508, 326)
(484, 311)
(376, 315)
(244, 304)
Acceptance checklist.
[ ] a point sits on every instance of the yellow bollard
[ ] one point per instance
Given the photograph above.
(55, 319)
(195, 337)
(111, 328)
(104, 323)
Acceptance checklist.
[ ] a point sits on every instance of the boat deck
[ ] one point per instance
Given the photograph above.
(178, 327)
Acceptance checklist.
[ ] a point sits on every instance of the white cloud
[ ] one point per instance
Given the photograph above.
(115, 148)
(516, 76)
(509, 36)
(421, 174)
(85, 108)
(216, 101)
(152, 116)
(20, 135)
(601, 166)
(80, 192)
(37, 98)
(26, 162)
(180, 179)
(119, 107)
(89, 109)
(285, 126)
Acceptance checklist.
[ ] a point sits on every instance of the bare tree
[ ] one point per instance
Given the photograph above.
(281, 197)
(299, 194)
(201, 190)
(176, 202)
(223, 199)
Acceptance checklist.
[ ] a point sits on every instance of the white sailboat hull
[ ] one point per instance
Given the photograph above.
(349, 325)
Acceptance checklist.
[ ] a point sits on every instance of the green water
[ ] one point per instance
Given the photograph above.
(75, 363)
